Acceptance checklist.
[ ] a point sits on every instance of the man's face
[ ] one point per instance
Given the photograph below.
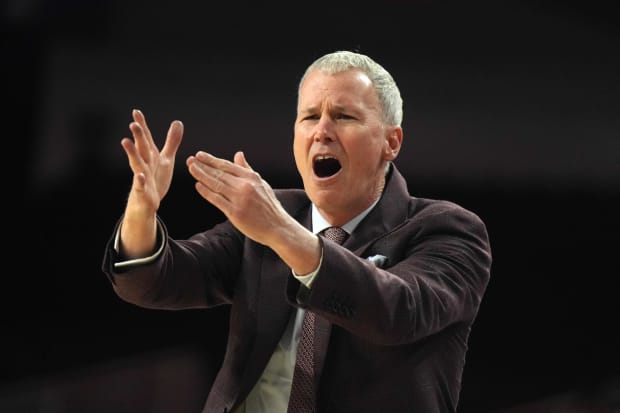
(341, 143)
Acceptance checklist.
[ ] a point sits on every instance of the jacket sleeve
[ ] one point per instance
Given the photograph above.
(437, 269)
(195, 273)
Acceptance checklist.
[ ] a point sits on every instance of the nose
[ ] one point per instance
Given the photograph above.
(324, 130)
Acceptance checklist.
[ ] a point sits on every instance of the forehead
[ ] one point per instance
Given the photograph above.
(343, 87)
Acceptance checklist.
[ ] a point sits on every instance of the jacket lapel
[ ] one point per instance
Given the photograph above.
(389, 214)
(272, 316)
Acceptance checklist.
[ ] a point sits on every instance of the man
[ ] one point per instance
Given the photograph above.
(392, 306)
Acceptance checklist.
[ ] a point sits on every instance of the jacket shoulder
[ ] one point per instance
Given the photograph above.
(441, 210)
(292, 199)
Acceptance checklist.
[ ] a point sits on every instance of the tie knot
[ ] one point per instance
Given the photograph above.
(335, 234)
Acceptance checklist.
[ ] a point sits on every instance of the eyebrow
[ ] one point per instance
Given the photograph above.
(312, 109)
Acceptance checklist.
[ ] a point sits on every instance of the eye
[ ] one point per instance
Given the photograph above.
(344, 116)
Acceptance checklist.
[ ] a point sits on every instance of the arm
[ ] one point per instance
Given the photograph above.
(246, 199)
(199, 272)
(250, 204)
(152, 175)
(439, 269)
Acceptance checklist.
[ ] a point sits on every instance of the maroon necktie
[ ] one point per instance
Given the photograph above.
(303, 392)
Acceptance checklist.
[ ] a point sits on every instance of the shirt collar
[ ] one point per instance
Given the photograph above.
(319, 223)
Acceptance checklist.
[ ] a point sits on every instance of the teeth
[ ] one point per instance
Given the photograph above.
(321, 157)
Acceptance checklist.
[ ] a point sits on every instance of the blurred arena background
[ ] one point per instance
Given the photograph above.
(512, 109)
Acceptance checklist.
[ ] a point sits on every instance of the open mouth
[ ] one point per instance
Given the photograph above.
(325, 166)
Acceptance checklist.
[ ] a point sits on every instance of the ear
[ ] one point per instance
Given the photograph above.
(393, 142)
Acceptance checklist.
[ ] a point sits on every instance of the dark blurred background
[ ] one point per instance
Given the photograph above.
(511, 109)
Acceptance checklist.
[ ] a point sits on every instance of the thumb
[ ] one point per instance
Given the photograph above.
(240, 160)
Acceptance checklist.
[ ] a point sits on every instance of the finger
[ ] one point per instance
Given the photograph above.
(216, 199)
(221, 174)
(173, 139)
(240, 160)
(141, 142)
(213, 179)
(136, 162)
(139, 181)
(139, 117)
(222, 164)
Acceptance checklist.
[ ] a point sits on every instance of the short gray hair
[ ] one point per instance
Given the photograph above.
(385, 86)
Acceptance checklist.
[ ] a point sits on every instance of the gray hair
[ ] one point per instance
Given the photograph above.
(385, 86)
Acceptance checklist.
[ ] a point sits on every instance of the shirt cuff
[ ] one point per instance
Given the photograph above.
(308, 279)
(138, 261)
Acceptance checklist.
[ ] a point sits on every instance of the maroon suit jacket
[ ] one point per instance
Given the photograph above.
(391, 337)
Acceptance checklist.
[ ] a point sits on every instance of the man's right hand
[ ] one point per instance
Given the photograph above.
(152, 175)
